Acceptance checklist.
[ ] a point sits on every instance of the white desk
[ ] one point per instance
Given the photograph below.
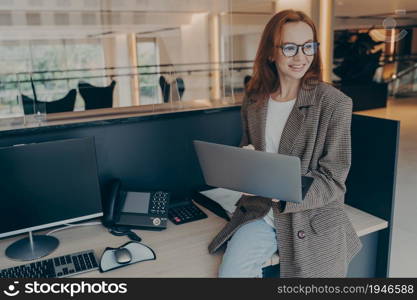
(181, 250)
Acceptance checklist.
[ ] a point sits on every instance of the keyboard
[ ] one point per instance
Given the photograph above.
(185, 212)
(61, 266)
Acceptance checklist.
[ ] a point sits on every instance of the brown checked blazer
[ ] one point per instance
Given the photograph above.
(316, 238)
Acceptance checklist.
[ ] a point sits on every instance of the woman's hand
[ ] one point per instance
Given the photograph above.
(246, 194)
(249, 147)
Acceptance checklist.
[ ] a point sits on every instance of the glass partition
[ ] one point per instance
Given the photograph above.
(69, 57)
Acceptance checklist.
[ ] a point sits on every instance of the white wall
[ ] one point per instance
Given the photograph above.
(245, 46)
(122, 59)
(187, 44)
(116, 54)
(195, 49)
(170, 48)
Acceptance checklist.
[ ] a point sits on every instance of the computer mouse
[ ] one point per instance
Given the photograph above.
(122, 256)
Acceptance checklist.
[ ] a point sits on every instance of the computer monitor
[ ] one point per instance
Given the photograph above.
(44, 185)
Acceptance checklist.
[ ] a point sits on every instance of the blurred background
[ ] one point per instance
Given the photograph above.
(93, 54)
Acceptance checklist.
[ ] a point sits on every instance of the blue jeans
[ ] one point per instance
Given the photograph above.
(248, 249)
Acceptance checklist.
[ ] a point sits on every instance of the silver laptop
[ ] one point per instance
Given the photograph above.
(260, 173)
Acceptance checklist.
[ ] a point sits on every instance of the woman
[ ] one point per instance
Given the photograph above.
(288, 110)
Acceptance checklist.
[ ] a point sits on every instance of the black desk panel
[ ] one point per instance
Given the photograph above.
(147, 152)
(156, 152)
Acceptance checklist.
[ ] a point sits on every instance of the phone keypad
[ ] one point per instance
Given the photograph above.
(158, 203)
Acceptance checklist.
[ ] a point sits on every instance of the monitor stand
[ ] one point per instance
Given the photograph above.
(32, 247)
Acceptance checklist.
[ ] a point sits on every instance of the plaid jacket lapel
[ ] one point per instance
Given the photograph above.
(295, 121)
(257, 122)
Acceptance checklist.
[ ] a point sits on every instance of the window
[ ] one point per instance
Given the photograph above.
(15, 59)
(148, 61)
(56, 66)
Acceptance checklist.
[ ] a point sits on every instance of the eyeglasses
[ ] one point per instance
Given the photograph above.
(290, 49)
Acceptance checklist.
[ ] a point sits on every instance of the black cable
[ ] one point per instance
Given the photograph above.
(125, 231)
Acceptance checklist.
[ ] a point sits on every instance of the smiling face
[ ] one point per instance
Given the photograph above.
(293, 68)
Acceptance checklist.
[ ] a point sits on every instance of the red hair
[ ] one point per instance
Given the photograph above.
(265, 78)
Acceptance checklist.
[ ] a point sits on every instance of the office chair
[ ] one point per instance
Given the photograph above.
(180, 86)
(246, 80)
(29, 105)
(165, 88)
(177, 85)
(66, 103)
(97, 97)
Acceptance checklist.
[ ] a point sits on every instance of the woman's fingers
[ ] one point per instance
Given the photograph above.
(246, 194)
(249, 147)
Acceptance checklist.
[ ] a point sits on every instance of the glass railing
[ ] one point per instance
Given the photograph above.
(115, 56)
(36, 94)
(404, 82)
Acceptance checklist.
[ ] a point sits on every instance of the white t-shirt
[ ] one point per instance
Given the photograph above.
(277, 116)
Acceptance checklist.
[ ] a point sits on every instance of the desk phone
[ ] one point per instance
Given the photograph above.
(137, 209)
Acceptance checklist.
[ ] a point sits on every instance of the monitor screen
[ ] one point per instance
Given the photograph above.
(47, 184)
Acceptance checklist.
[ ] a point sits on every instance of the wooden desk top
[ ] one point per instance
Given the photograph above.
(181, 250)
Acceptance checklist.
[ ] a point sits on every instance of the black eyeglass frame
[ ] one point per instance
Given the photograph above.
(316, 45)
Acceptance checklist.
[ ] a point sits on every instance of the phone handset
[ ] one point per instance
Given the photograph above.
(110, 212)
(111, 203)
